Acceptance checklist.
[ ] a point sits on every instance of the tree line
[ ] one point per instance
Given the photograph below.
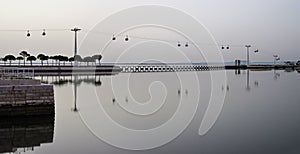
(56, 59)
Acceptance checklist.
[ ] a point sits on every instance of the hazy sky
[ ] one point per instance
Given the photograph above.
(273, 26)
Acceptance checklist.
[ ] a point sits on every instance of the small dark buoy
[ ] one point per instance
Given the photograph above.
(28, 34)
(44, 33)
(227, 47)
(126, 38)
(126, 99)
(113, 100)
(178, 92)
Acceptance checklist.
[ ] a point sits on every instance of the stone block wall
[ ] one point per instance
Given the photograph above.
(26, 99)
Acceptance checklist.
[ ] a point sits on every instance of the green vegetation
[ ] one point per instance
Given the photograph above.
(19, 58)
(88, 59)
(97, 57)
(10, 58)
(42, 58)
(24, 54)
(31, 58)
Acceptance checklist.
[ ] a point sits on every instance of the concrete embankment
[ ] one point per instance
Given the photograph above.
(70, 70)
(25, 97)
(112, 69)
(262, 67)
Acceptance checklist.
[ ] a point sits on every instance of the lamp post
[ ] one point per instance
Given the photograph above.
(75, 44)
(75, 30)
(247, 46)
(276, 58)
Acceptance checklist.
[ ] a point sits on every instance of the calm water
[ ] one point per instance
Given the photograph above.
(260, 114)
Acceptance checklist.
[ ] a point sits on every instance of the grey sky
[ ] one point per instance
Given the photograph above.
(273, 26)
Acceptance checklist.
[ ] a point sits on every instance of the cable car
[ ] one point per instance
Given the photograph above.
(178, 44)
(44, 33)
(28, 34)
(126, 38)
(186, 44)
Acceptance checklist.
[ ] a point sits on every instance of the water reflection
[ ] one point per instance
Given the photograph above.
(256, 83)
(78, 79)
(247, 85)
(23, 134)
(248, 79)
(276, 75)
(254, 121)
(75, 109)
(74, 80)
(227, 88)
(142, 101)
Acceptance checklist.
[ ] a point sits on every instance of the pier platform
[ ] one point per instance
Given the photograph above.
(145, 68)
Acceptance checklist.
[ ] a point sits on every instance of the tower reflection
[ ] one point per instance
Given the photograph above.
(248, 86)
(75, 80)
(75, 109)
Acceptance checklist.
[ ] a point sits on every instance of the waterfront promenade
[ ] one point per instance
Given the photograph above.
(111, 69)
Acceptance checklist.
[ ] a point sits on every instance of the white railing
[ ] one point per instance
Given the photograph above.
(7, 72)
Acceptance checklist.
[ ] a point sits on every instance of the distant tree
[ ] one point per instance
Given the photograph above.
(71, 59)
(60, 58)
(19, 58)
(53, 59)
(56, 58)
(31, 58)
(289, 63)
(40, 55)
(88, 59)
(42, 58)
(97, 58)
(24, 54)
(45, 58)
(77, 58)
(65, 59)
(4, 60)
(10, 58)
